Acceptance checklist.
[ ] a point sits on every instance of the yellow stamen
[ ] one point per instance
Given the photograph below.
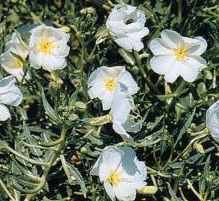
(110, 84)
(114, 178)
(181, 53)
(46, 45)
(18, 63)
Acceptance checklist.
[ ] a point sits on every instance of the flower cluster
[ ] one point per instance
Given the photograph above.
(47, 48)
(114, 86)
(118, 168)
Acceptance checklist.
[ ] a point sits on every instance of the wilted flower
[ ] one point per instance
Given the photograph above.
(121, 173)
(10, 94)
(127, 26)
(122, 105)
(13, 59)
(175, 55)
(104, 82)
(212, 120)
(48, 48)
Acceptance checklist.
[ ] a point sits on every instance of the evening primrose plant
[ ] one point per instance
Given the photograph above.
(109, 100)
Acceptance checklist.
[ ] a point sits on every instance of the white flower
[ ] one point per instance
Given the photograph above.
(48, 48)
(104, 82)
(121, 173)
(127, 27)
(122, 105)
(13, 59)
(212, 120)
(175, 55)
(10, 94)
(17, 46)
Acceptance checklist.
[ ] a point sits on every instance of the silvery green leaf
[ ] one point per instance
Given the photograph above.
(73, 175)
(133, 125)
(49, 110)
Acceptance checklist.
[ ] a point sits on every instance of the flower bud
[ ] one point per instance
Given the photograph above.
(65, 29)
(148, 190)
(199, 148)
(98, 121)
(88, 11)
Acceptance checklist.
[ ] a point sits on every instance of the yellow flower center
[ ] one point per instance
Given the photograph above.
(114, 178)
(46, 45)
(18, 63)
(110, 84)
(181, 53)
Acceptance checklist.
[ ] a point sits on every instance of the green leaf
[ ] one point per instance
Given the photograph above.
(49, 110)
(185, 127)
(73, 175)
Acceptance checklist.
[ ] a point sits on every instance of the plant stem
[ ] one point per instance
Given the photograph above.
(179, 3)
(6, 190)
(190, 186)
(158, 173)
(50, 164)
(35, 162)
(190, 144)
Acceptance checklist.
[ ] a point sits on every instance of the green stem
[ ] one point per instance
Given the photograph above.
(35, 162)
(158, 173)
(182, 194)
(190, 186)
(6, 190)
(147, 80)
(179, 3)
(203, 135)
(38, 146)
(54, 143)
(50, 164)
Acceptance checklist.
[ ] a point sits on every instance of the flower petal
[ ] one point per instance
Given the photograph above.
(212, 120)
(95, 168)
(12, 97)
(162, 64)
(171, 38)
(125, 43)
(6, 83)
(158, 47)
(127, 79)
(142, 33)
(52, 63)
(107, 99)
(142, 170)
(122, 105)
(35, 60)
(17, 46)
(109, 191)
(173, 72)
(111, 159)
(119, 128)
(4, 113)
(125, 191)
(11, 65)
(191, 68)
(198, 45)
